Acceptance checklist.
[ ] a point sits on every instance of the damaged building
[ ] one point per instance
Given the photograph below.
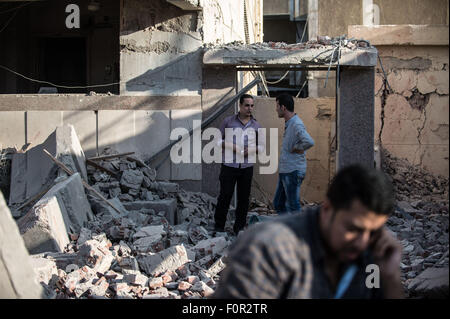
(95, 205)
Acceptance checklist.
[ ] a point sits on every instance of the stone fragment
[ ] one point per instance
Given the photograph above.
(213, 246)
(136, 279)
(168, 206)
(168, 259)
(431, 283)
(184, 285)
(156, 282)
(131, 179)
(202, 288)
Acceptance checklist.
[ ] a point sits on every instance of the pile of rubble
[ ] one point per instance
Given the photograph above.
(317, 43)
(131, 236)
(421, 222)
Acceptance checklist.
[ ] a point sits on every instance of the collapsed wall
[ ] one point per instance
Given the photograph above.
(33, 172)
(411, 109)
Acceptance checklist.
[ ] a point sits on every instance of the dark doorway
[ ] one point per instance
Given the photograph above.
(64, 63)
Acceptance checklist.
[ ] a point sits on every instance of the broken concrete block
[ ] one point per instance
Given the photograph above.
(159, 293)
(99, 288)
(43, 228)
(71, 203)
(85, 235)
(129, 265)
(156, 282)
(165, 187)
(149, 238)
(216, 268)
(183, 271)
(212, 246)
(184, 285)
(171, 285)
(131, 180)
(431, 283)
(97, 256)
(202, 288)
(45, 269)
(101, 208)
(17, 277)
(136, 279)
(168, 206)
(39, 171)
(150, 173)
(192, 279)
(150, 231)
(168, 259)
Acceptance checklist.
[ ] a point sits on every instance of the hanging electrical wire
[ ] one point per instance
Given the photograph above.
(57, 85)
(17, 8)
(301, 89)
(279, 80)
(9, 21)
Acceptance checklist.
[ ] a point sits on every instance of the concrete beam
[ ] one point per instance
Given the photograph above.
(263, 55)
(401, 34)
(81, 102)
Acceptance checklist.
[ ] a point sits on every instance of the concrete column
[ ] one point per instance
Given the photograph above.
(355, 117)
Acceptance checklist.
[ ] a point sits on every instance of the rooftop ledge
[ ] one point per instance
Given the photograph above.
(281, 54)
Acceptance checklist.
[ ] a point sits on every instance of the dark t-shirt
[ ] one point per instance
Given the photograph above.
(284, 258)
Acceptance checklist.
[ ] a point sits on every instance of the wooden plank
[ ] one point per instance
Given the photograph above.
(70, 173)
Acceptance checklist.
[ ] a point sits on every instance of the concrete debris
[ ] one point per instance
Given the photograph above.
(33, 172)
(431, 283)
(43, 228)
(162, 243)
(17, 276)
(420, 221)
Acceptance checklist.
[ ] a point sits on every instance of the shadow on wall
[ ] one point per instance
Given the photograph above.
(160, 49)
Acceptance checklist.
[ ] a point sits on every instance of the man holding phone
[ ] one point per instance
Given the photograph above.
(326, 251)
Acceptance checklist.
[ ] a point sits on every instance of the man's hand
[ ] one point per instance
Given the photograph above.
(387, 252)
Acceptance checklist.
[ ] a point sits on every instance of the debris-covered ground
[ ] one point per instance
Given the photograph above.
(138, 237)
(137, 253)
(420, 222)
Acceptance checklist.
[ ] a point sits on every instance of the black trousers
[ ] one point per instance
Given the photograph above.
(228, 178)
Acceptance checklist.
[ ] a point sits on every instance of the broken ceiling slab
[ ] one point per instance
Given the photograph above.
(186, 4)
(272, 54)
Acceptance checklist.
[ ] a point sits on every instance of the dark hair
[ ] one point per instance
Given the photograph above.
(245, 96)
(370, 186)
(287, 101)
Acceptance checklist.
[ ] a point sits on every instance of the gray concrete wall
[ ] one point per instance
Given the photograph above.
(138, 124)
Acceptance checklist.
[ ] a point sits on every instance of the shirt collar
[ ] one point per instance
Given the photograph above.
(238, 119)
(290, 120)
